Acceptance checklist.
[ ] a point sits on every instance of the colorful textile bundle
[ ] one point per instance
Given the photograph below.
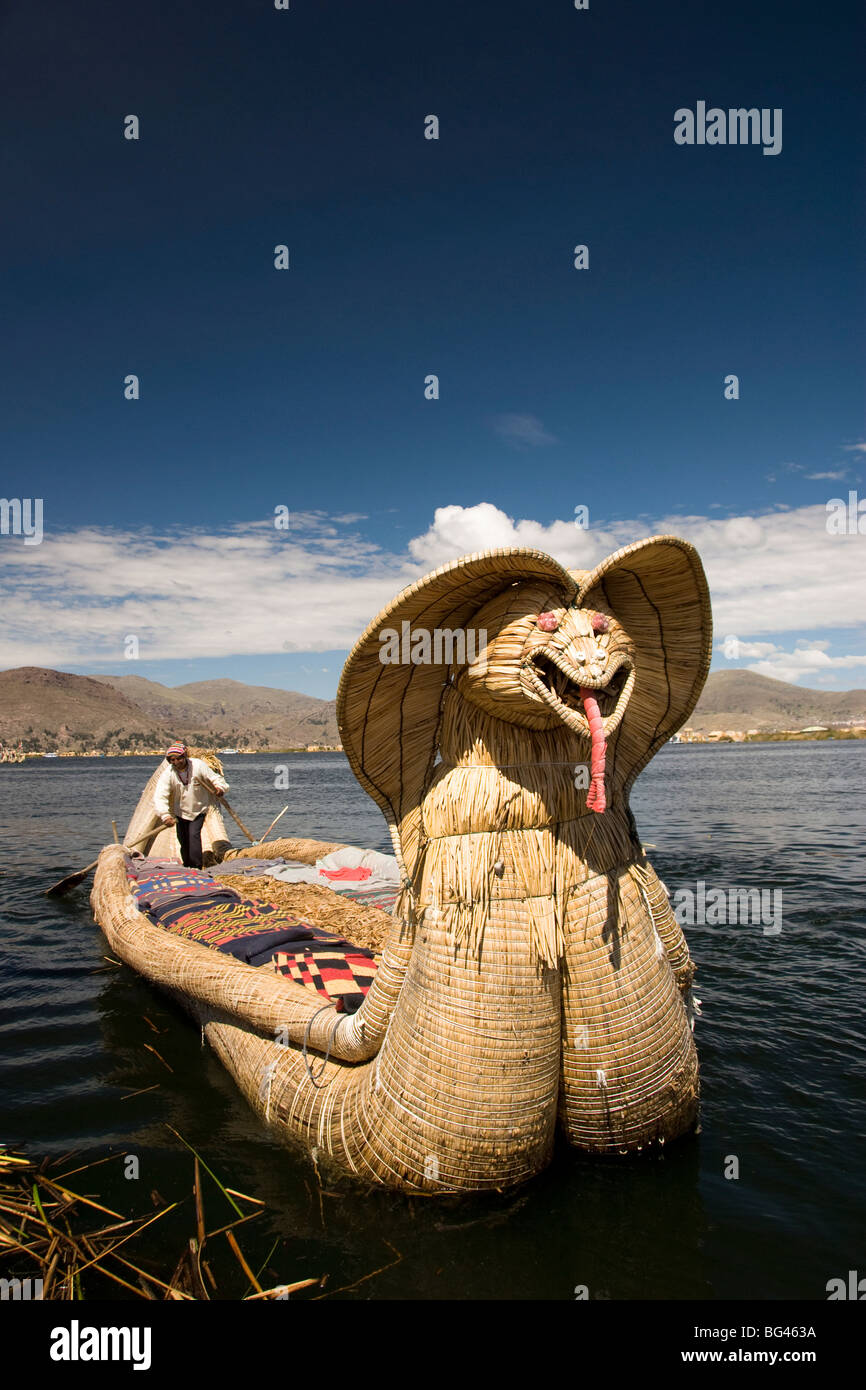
(328, 939)
(250, 931)
(194, 905)
(342, 977)
(258, 948)
(168, 908)
(149, 901)
(151, 871)
(166, 882)
(372, 890)
(135, 866)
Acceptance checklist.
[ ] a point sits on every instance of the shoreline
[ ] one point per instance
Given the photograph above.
(160, 753)
(764, 736)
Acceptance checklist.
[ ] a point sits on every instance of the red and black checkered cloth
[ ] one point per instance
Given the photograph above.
(343, 977)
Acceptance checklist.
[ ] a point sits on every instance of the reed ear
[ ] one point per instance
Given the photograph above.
(658, 590)
(388, 707)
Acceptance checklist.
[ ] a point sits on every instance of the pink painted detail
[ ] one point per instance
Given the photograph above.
(548, 622)
(600, 623)
(595, 797)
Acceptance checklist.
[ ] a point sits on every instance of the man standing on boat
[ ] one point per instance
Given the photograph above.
(182, 796)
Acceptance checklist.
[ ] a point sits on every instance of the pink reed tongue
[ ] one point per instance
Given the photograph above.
(595, 797)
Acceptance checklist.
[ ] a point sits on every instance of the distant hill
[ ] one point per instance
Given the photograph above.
(230, 712)
(163, 702)
(55, 711)
(52, 711)
(743, 700)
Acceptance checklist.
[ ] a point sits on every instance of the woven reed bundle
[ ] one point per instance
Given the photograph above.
(630, 1073)
(535, 968)
(305, 851)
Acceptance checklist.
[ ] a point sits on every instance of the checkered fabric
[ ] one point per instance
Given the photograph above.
(343, 977)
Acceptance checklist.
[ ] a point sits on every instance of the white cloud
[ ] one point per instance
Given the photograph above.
(738, 650)
(742, 532)
(187, 593)
(457, 531)
(803, 661)
(779, 572)
(251, 589)
(855, 448)
(524, 431)
(834, 477)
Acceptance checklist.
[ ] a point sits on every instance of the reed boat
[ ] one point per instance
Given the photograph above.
(530, 976)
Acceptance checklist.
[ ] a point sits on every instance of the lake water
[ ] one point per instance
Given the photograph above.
(780, 1040)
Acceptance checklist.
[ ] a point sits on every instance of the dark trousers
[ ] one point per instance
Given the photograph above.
(189, 835)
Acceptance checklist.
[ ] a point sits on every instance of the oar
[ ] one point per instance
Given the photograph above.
(272, 824)
(74, 879)
(221, 801)
(237, 820)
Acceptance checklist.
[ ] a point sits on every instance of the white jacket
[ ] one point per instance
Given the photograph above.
(172, 798)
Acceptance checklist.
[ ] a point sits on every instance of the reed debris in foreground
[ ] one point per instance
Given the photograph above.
(58, 1244)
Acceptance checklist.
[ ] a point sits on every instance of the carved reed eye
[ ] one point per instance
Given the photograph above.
(600, 623)
(548, 622)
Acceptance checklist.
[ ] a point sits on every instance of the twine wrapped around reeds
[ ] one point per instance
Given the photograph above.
(534, 969)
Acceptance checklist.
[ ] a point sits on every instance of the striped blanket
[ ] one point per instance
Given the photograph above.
(191, 904)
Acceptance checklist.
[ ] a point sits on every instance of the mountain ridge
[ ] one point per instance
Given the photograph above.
(48, 711)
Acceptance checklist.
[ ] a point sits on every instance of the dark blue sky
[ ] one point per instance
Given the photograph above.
(411, 257)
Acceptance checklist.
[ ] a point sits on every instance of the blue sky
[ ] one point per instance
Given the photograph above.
(408, 256)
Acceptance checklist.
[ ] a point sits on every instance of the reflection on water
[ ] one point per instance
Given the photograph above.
(780, 1040)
